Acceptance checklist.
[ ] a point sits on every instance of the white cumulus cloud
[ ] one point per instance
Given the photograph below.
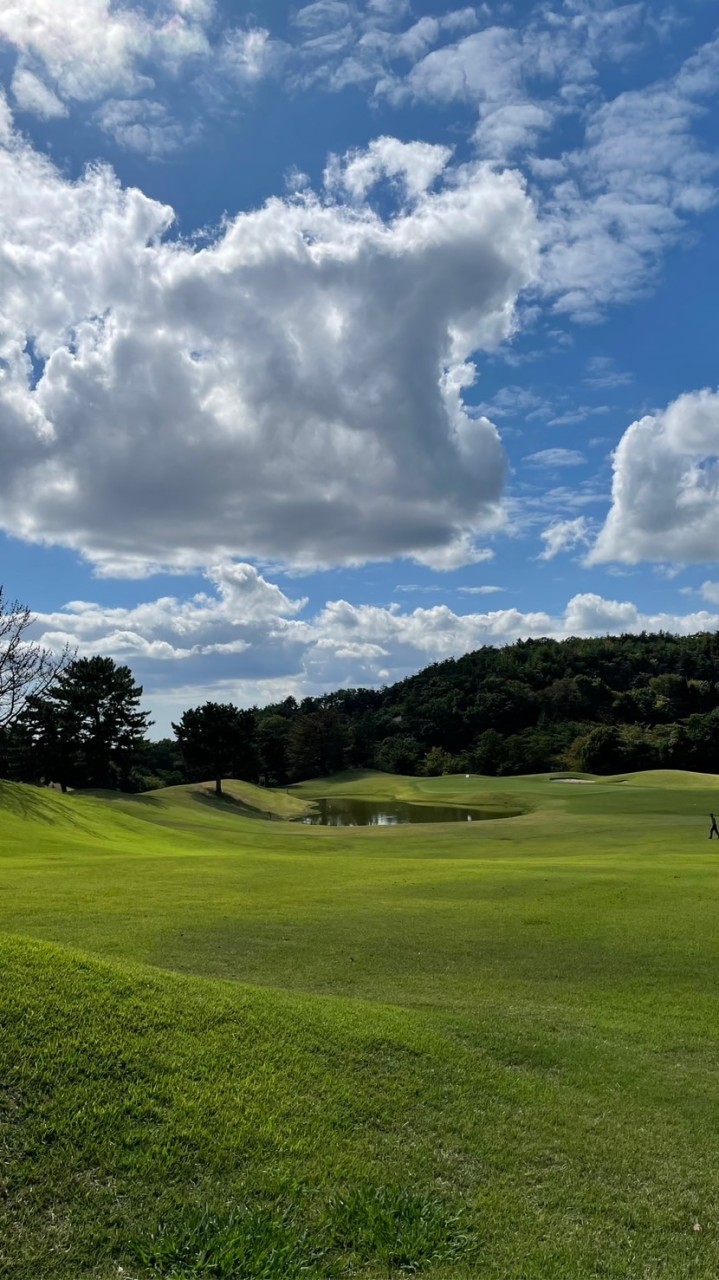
(415, 166)
(563, 535)
(291, 390)
(665, 492)
(244, 639)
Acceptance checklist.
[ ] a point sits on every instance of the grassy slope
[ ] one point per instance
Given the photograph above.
(514, 1017)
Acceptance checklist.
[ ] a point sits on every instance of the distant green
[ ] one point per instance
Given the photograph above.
(235, 1046)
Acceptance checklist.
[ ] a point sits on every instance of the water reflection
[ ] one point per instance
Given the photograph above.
(384, 813)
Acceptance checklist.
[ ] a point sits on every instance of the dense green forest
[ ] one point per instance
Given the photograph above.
(604, 705)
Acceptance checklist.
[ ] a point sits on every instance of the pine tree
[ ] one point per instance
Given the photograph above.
(88, 726)
(217, 741)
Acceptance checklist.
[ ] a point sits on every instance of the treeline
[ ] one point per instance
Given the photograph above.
(607, 705)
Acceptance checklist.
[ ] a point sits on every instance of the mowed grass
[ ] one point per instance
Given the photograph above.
(237, 1046)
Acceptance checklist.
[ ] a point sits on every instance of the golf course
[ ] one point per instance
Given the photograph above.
(237, 1045)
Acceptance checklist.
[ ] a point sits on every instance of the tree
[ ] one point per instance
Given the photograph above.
(701, 743)
(217, 740)
(398, 755)
(46, 746)
(488, 753)
(601, 751)
(26, 668)
(318, 743)
(88, 726)
(437, 762)
(272, 738)
(19, 759)
(157, 764)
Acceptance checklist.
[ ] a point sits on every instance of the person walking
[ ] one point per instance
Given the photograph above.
(714, 829)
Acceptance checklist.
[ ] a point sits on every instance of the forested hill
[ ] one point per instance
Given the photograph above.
(609, 705)
(604, 705)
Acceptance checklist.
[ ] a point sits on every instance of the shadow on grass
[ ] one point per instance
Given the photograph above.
(134, 797)
(231, 804)
(37, 804)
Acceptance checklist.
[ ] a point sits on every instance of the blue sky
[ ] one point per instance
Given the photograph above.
(339, 339)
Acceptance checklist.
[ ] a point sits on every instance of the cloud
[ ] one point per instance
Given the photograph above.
(339, 45)
(127, 58)
(629, 190)
(665, 492)
(435, 589)
(610, 206)
(249, 55)
(323, 16)
(485, 67)
(570, 417)
(245, 640)
(491, 69)
(31, 94)
(512, 127)
(522, 80)
(291, 390)
(563, 535)
(91, 49)
(413, 166)
(460, 550)
(139, 124)
(515, 401)
(613, 204)
(242, 609)
(556, 458)
(601, 374)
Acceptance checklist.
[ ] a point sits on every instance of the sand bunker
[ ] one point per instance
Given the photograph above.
(582, 782)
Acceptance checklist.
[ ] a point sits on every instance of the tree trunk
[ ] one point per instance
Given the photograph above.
(218, 786)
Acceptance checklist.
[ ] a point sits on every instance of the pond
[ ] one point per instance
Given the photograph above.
(385, 813)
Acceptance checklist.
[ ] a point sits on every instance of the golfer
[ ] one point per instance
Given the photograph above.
(714, 829)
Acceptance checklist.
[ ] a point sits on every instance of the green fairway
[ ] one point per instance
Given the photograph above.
(233, 1045)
